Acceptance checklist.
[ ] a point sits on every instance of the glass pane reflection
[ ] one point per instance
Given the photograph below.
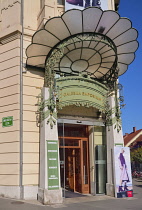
(100, 162)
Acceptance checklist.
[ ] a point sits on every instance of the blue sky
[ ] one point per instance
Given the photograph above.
(132, 79)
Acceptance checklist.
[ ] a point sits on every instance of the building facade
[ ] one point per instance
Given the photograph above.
(59, 109)
(134, 141)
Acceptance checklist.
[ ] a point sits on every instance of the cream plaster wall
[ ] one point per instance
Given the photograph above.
(49, 9)
(9, 100)
(9, 9)
(31, 11)
(32, 82)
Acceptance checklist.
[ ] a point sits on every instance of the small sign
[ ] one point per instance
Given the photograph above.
(7, 121)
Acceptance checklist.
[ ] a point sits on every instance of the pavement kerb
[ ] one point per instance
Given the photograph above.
(66, 201)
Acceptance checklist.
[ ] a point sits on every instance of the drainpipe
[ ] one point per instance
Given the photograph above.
(21, 103)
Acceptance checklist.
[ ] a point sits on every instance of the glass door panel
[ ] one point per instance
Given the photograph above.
(85, 163)
(85, 167)
(69, 169)
(78, 182)
(62, 156)
(74, 161)
(100, 162)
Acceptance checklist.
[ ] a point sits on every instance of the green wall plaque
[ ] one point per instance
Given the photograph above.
(52, 165)
(7, 121)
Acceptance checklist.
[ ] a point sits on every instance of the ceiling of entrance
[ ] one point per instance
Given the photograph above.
(92, 41)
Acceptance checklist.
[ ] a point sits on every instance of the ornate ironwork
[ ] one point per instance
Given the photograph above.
(109, 80)
(113, 115)
(50, 106)
(57, 53)
(49, 69)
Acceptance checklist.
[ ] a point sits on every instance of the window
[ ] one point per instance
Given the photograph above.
(61, 2)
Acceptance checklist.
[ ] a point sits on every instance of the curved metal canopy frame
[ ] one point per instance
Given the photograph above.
(92, 42)
(63, 60)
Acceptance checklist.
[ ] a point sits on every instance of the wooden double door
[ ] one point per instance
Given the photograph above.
(74, 164)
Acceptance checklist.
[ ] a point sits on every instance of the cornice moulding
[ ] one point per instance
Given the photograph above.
(10, 31)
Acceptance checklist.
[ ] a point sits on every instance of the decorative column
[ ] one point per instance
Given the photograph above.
(114, 137)
(49, 191)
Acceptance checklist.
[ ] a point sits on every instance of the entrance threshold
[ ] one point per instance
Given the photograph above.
(87, 198)
(71, 194)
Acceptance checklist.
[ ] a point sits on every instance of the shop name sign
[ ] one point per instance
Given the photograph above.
(52, 165)
(7, 121)
(81, 92)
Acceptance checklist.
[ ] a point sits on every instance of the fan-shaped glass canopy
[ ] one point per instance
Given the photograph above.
(91, 41)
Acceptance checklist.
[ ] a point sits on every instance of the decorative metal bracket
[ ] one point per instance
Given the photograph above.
(50, 114)
(116, 120)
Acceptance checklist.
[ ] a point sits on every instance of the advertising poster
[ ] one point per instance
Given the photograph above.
(82, 4)
(123, 177)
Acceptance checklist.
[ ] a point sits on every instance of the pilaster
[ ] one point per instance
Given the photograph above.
(114, 137)
(49, 191)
